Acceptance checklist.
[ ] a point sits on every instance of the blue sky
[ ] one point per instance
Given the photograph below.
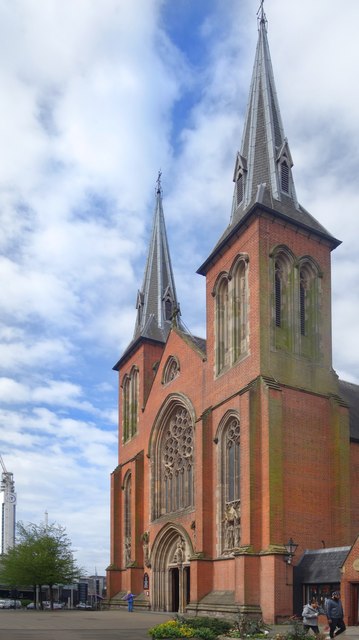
(96, 97)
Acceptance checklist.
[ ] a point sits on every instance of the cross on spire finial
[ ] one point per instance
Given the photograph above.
(261, 15)
(158, 183)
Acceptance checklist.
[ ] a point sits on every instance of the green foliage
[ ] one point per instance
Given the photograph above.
(217, 625)
(42, 555)
(297, 632)
(205, 633)
(25, 602)
(201, 628)
(171, 629)
(245, 626)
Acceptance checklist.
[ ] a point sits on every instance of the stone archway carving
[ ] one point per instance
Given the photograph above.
(170, 561)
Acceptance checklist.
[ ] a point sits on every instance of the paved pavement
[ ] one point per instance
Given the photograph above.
(77, 625)
(88, 625)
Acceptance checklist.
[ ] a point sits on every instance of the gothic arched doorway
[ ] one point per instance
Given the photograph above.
(171, 570)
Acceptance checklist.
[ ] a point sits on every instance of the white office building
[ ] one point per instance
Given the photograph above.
(8, 510)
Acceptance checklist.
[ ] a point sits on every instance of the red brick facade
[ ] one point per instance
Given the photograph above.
(299, 472)
(229, 449)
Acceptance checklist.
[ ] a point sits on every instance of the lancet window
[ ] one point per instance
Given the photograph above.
(222, 324)
(127, 520)
(130, 404)
(296, 303)
(239, 292)
(231, 307)
(230, 482)
(283, 303)
(308, 307)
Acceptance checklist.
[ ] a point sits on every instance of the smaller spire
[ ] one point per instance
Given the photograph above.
(157, 305)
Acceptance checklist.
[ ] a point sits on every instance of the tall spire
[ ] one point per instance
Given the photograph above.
(157, 306)
(263, 165)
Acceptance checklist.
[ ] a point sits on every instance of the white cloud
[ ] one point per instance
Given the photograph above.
(96, 98)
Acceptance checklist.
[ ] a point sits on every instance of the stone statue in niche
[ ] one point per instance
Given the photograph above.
(127, 551)
(179, 553)
(237, 526)
(146, 548)
(231, 527)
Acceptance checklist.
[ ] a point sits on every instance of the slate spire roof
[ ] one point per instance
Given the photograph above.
(264, 146)
(263, 166)
(157, 305)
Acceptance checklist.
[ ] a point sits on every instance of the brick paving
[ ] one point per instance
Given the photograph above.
(89, 625)
(77, 625)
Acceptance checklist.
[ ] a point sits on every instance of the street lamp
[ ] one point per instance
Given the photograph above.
(290, 548)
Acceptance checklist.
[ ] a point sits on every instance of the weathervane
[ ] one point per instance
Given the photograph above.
(158, 183)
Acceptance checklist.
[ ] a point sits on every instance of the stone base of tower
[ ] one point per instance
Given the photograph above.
(263, 588)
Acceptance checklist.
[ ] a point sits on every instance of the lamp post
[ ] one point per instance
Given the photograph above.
(290, 548)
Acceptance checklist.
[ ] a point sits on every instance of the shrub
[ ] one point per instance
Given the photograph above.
(171, 629)
(297, 632)
(217, 625)
(204, 633)
(245, 626)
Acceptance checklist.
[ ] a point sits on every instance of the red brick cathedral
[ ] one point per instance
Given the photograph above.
(237, 448)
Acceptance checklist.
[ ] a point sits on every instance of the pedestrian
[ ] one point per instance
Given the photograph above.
(335, 615)
(310, 615)
(130, 598)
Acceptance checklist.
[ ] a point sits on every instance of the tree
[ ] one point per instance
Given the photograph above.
(42, 556)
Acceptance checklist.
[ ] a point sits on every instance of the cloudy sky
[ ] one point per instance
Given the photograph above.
(95, 97)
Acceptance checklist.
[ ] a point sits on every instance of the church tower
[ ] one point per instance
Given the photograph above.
(269, 356)
(157, 312)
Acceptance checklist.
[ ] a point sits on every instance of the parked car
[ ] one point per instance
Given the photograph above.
(8, 603)
(56, 605)
(31, 605)
(84, 605)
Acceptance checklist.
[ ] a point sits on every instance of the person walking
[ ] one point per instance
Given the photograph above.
(310, 615)
(335, 615)
(130, 598)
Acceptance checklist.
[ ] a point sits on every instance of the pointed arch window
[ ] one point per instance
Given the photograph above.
(222, 325)
(230, 481)
(303, 302)
(283, 298)
(308, 307)
(231, 311)
(239, 303)
(126, 408)
(174, 463)
(130, 404)
(278, 286)
(127, 520)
